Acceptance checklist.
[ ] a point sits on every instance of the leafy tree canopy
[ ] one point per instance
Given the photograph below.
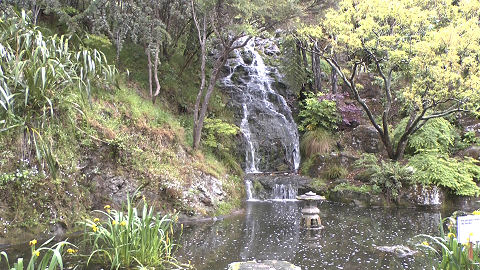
(426, 54)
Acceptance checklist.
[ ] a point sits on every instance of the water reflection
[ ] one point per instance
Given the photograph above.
(271, 230)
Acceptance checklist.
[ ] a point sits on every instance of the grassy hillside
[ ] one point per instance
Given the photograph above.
(116, 142)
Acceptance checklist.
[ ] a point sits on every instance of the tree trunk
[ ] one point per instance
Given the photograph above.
(149, 59)
(317, 72)
(334, 81)
(155, 73)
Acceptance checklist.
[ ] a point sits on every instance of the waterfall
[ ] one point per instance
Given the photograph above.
(266, 122)
(261, 187)
(284, 192)
(250, 191)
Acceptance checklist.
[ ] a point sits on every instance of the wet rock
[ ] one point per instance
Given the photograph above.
(397, 250)
(366, 138)
(263, 265)
(419, 195)
(272, 50)
(265, 185)
(247, 57)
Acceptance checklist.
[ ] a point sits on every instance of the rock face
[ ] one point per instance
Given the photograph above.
(366, 139)
(264, 265)
(323, 163)
(110, 185)
(412, 196)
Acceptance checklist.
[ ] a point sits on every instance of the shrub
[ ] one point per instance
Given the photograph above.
(316, 141)
(334, 172)
(316, 113)
(437, 133)
(218, 133)
(387, 176)
(366, 189)
(434, 168)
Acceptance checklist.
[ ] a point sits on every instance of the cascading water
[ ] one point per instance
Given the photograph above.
(284, 192)
(266, 122)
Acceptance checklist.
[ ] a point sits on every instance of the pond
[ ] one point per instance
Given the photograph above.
(271, 230)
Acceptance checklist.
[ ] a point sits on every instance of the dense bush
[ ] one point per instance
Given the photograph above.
(218, 133)
(434, 168)
(437, 133)
(316, 113)
(386, 176)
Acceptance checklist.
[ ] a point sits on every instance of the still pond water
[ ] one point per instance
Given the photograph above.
(271, 230)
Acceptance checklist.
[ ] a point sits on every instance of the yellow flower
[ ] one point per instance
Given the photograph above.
(451, 235)
(33, 242)
(36, 253)
(114, 222)
(94, 228)
(123, 223)
(96, 220)
(107, 208)
(425, 243)
(71, 251)
(476, 213)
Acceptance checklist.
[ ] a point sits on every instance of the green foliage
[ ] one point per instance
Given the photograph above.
(132, 238)
(307, 164)
(37, 73)
(470, 138)
(334, 172)
(23, 178)
(436, 134)
(291, 65)
(317, 141)
(453, 254)
(217, 133)
(318, 114)
(434, 168)
(43, 258)
(319, 183)
(365, 189)
(387, 176)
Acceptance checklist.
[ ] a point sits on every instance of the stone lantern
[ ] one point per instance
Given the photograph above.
(310, 212)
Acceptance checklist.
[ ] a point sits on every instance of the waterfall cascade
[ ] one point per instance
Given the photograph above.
(266, 122)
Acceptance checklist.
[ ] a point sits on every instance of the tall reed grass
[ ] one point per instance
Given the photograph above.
(137, 237)
(43, 258)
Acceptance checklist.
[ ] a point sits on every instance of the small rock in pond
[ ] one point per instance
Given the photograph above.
(263, 265)
(397, 250)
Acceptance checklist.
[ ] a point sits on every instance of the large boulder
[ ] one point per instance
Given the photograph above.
(473, 152)
(366, 138)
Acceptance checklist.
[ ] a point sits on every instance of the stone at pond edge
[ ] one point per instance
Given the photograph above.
(264, 265)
